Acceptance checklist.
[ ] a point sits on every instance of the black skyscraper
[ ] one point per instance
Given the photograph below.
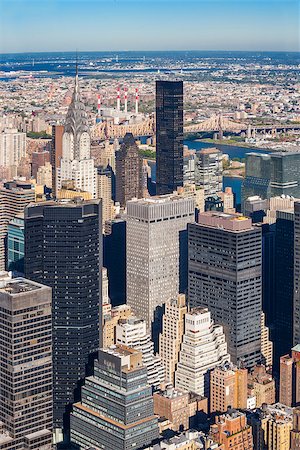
(282, 334)
(64, 251)
(169, 136)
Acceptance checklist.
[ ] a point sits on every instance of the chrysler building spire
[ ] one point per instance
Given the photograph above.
(76, 163)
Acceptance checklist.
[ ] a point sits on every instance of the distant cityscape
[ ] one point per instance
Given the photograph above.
(150, 251)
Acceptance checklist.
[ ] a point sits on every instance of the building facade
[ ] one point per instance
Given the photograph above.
(63, 249)
(225, 257)
(296, 303)
(171, 336)
(15, 245)
(12, 147)
(26, 365)
(56, 154)
(203, 348)
(271, 175)
(76, 163)
(169, 136)
(132, 332)
(116, 408)
(228, 388)
(156, 251)
(209, 171)
(129, 171)
(13, 200)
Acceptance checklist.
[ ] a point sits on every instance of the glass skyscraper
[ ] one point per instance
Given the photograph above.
(169, 136)
(270, 175)
(63, 248)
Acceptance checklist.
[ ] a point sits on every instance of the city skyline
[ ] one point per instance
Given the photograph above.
(268, 25)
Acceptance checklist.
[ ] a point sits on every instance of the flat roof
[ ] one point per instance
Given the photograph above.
(19, 286)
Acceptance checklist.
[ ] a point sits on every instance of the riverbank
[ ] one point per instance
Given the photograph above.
(229, 142)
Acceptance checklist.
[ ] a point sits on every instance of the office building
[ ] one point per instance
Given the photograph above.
(289, 387)
(232, 431)
(12, 147)
(271, 175)
(295, 433)
(261, 385)
(203, 348)
(228, 388)
(132, 332)
(104, 191)
(171, 336)
(209, 170)
(63, 249)
(56, 154)
(156, 252)
(169, 136)
(129, 171)
(76, 163)
(173, 404)
(116, 408)
(284, 284)
(14, 197)
(225, 255)
(114, 259)
(15, 245)
(26, 365)
(296, 303)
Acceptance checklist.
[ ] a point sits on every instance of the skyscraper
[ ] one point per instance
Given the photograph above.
(284, 284)
(296, 306)
(225, 276)
(129, 171)
(172, 334)
(104, 191)
(169, 136)
(63, 248)
(270, 175)
(56, 154)
(76, 163)
(116, 410)
(156, 251)
(209, 170)
(15, 245)
(14, 197)
(132, 333)
(203, 348)
(26, 365)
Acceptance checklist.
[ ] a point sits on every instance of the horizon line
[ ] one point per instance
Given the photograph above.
(149, 51)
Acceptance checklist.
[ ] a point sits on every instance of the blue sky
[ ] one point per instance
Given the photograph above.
(62, 25)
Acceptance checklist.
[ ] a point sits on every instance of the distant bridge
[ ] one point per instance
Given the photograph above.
(216, 123)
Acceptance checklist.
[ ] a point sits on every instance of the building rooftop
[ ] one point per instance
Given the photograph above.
(209, 151)
(18, 286)
(231, 222)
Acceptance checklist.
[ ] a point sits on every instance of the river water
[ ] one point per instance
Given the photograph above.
(233, 151)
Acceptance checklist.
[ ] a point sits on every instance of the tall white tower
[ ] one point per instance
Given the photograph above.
(76, 163)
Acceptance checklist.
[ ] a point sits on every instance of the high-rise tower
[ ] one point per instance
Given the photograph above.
(129, 176)
(76, 163)
(26, 365)
(156, 252)
(169, 136)
(225, 264)
(63, 248)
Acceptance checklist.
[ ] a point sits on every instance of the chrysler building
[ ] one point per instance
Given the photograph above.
(76, 163)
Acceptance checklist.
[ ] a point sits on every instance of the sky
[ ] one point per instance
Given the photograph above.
(96, 25)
